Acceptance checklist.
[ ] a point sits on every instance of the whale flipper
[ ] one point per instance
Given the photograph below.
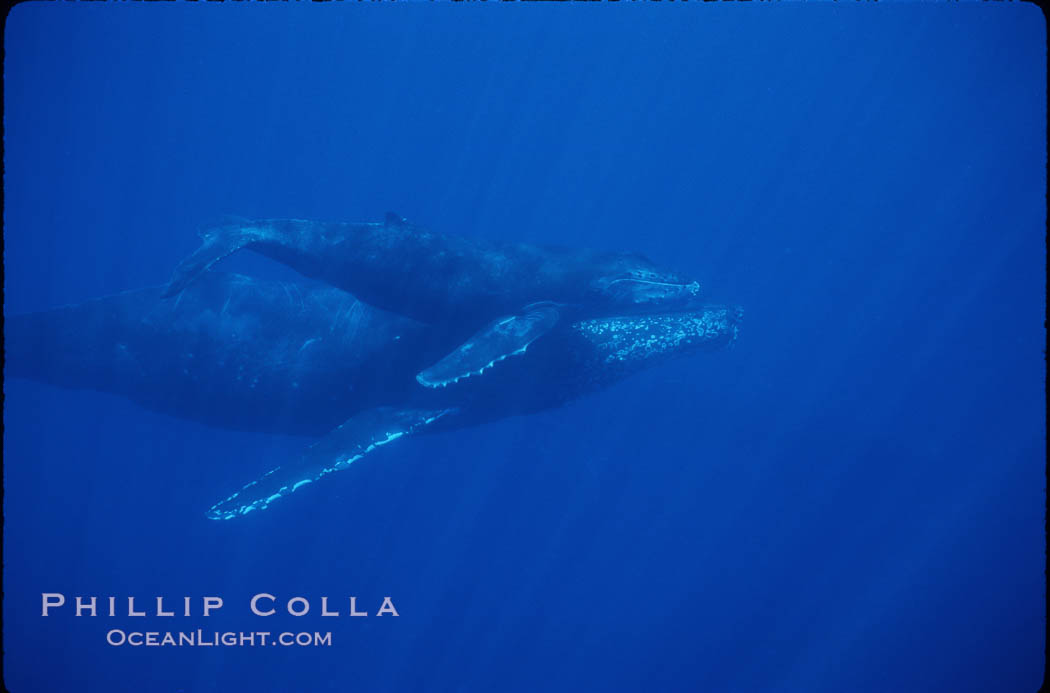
(358, 436)
(219, 241)
(509, 335)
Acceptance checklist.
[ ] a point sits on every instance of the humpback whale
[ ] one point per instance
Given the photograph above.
(498, 297)
(234, 352)
(250, 354)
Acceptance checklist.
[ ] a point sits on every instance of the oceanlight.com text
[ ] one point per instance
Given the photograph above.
(202, 638)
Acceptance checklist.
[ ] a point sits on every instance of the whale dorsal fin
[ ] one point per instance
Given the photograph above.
(359, 435)
(395, 219)
(507, 336)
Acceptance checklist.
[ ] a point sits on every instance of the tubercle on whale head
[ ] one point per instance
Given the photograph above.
(643, 338)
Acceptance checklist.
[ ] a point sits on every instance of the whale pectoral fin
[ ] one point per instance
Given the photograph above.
(219, 242)
(358, 436)
(503, 337)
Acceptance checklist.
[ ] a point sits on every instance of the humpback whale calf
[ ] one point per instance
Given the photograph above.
(245, 353)
(498, 297)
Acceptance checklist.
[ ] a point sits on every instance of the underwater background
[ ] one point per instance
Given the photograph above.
(852, 498)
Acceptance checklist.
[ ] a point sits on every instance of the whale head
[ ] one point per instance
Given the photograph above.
(637, 341)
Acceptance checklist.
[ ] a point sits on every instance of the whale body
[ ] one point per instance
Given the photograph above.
(498, 298)
(250, 354)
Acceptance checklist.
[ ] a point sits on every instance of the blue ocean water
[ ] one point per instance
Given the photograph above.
(852, 498)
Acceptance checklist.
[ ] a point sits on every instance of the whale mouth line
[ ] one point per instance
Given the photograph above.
(694, 286)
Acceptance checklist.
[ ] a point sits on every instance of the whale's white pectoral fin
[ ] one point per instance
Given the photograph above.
(503, 337)
(358, 436)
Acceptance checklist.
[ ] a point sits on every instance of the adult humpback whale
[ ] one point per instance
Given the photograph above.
(498, 297)
(245, 353)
